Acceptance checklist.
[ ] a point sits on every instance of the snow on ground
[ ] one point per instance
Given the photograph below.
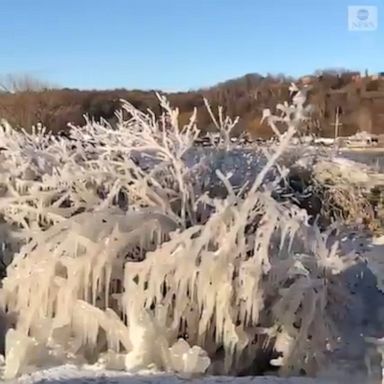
(72, 375)
(69, 374)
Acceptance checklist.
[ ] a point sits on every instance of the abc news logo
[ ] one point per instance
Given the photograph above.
(362, 18)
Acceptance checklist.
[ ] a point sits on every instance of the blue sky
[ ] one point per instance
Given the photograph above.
(180, 44)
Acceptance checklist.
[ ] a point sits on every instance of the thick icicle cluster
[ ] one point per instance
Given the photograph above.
(121, 250)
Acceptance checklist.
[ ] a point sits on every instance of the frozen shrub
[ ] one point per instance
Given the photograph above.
(122, 250)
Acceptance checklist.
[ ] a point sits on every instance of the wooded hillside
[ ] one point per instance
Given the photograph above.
(359, 101)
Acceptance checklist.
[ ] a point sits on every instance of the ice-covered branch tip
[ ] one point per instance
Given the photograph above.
(224, 125)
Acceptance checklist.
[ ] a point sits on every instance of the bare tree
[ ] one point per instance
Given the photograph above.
(12, 83)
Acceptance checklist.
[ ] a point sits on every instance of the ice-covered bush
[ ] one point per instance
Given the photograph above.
(121, 250)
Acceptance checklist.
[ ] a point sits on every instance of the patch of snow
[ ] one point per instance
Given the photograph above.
(378, 240)
(70, 374)
(324, 141)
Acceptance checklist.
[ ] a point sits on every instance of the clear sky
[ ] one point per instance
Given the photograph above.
(180, 44)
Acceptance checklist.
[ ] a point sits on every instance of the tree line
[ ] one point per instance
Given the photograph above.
(24, 102)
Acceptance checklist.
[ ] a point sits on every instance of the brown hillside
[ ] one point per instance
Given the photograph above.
(359, 100)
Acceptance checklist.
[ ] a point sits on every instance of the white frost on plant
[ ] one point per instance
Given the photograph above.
(122, 251)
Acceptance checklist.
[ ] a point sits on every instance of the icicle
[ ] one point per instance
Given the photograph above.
(18, 352)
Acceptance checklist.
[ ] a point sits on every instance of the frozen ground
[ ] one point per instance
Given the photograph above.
(373, 158)
(70, 374)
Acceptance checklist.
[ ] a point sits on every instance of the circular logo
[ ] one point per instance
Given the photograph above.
(362, 14)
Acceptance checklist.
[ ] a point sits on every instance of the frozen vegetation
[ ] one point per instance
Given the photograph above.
(129, 250)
